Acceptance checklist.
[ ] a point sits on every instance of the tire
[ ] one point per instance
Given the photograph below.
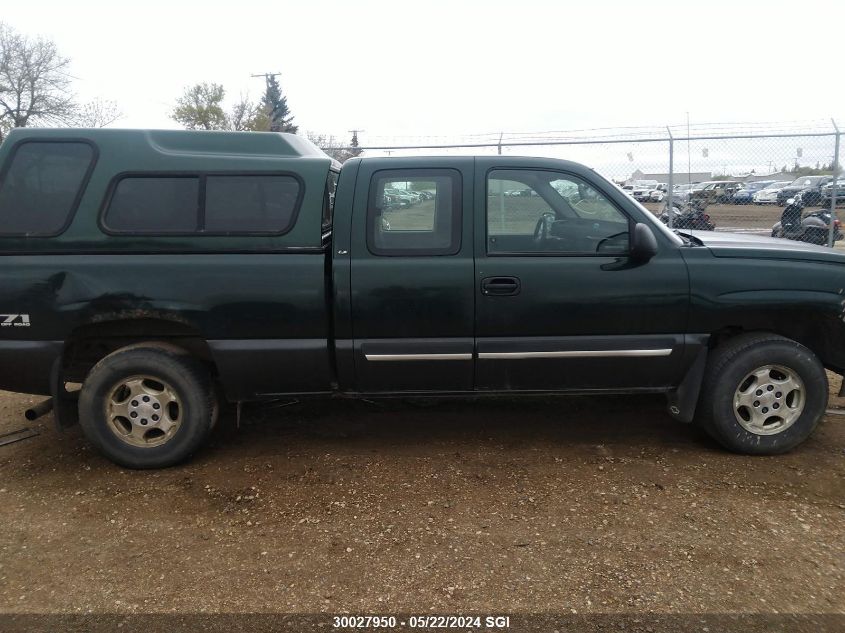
(164, 389)
(814, 236)
(732, 364)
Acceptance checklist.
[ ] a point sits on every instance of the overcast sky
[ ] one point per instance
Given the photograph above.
(444, 68)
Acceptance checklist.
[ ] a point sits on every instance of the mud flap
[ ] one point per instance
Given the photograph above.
(65, 403)
(683, 400)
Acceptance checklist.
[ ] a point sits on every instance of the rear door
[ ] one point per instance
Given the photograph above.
(411, 286)
(560, 305)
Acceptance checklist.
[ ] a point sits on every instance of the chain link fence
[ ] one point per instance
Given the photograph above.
(738, 176)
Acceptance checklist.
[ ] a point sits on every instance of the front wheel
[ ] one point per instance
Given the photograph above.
(147, 406)
(763, 394)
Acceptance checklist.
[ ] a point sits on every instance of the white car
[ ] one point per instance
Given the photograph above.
(658, 193)
(769, 194)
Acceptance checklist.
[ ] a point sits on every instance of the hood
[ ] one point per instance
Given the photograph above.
(723, 244)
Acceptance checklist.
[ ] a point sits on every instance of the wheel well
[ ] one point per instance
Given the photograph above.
(88, 344)
(813, 338)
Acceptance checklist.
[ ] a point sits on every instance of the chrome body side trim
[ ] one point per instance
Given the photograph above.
(590, 353)
(404, 357)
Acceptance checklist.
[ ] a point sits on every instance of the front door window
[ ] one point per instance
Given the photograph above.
(536, 211)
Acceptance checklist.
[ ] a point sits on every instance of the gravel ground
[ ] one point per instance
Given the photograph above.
(562, 505)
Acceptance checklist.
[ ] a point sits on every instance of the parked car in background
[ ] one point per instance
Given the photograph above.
(717, 191)
(808, 186)
(682, 192)
(769, 193)
(827, 192)
(415, 196)
(402, 197)
(745, 194)
(643, 188)
(657, 195)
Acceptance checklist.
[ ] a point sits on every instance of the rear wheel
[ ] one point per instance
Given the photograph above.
(147, 406)
(814, 236)
(763, 394)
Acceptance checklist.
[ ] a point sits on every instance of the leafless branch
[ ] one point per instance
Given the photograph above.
(34, 81)
(96, 113)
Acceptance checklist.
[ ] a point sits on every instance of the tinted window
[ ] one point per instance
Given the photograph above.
(415, 212)
(250, 204)
(41, 185)
(533, 211)
(154, 205)
(164, 205)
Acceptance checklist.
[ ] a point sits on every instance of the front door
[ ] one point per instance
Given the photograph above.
(411, 290)
(560, 305)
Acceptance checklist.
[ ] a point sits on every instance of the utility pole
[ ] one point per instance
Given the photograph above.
(266, 75)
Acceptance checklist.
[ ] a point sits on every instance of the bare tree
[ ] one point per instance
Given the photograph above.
(243, 115)
(34, 82)
(96, 113)
(331, 146)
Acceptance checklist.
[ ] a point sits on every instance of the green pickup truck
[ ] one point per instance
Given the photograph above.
(168, 271)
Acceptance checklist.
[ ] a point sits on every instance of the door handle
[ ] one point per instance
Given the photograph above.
(500, 286)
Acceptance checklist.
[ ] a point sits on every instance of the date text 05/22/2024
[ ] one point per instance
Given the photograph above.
(421, 622)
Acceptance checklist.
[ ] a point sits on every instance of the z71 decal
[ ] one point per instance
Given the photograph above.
(14, 320)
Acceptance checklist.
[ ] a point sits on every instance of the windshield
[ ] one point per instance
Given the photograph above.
(778, 185)
(754, 186)
(806, 181)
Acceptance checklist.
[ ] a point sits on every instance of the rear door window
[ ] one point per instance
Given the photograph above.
(414, 212)
(40, 186)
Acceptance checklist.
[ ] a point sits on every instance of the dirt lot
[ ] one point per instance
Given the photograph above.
(738, 216)
(556, 504)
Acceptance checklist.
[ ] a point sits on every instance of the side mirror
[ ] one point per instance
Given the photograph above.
(643, 243)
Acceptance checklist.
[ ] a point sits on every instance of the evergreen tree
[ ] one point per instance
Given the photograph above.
(355, 151)
(275, 106)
